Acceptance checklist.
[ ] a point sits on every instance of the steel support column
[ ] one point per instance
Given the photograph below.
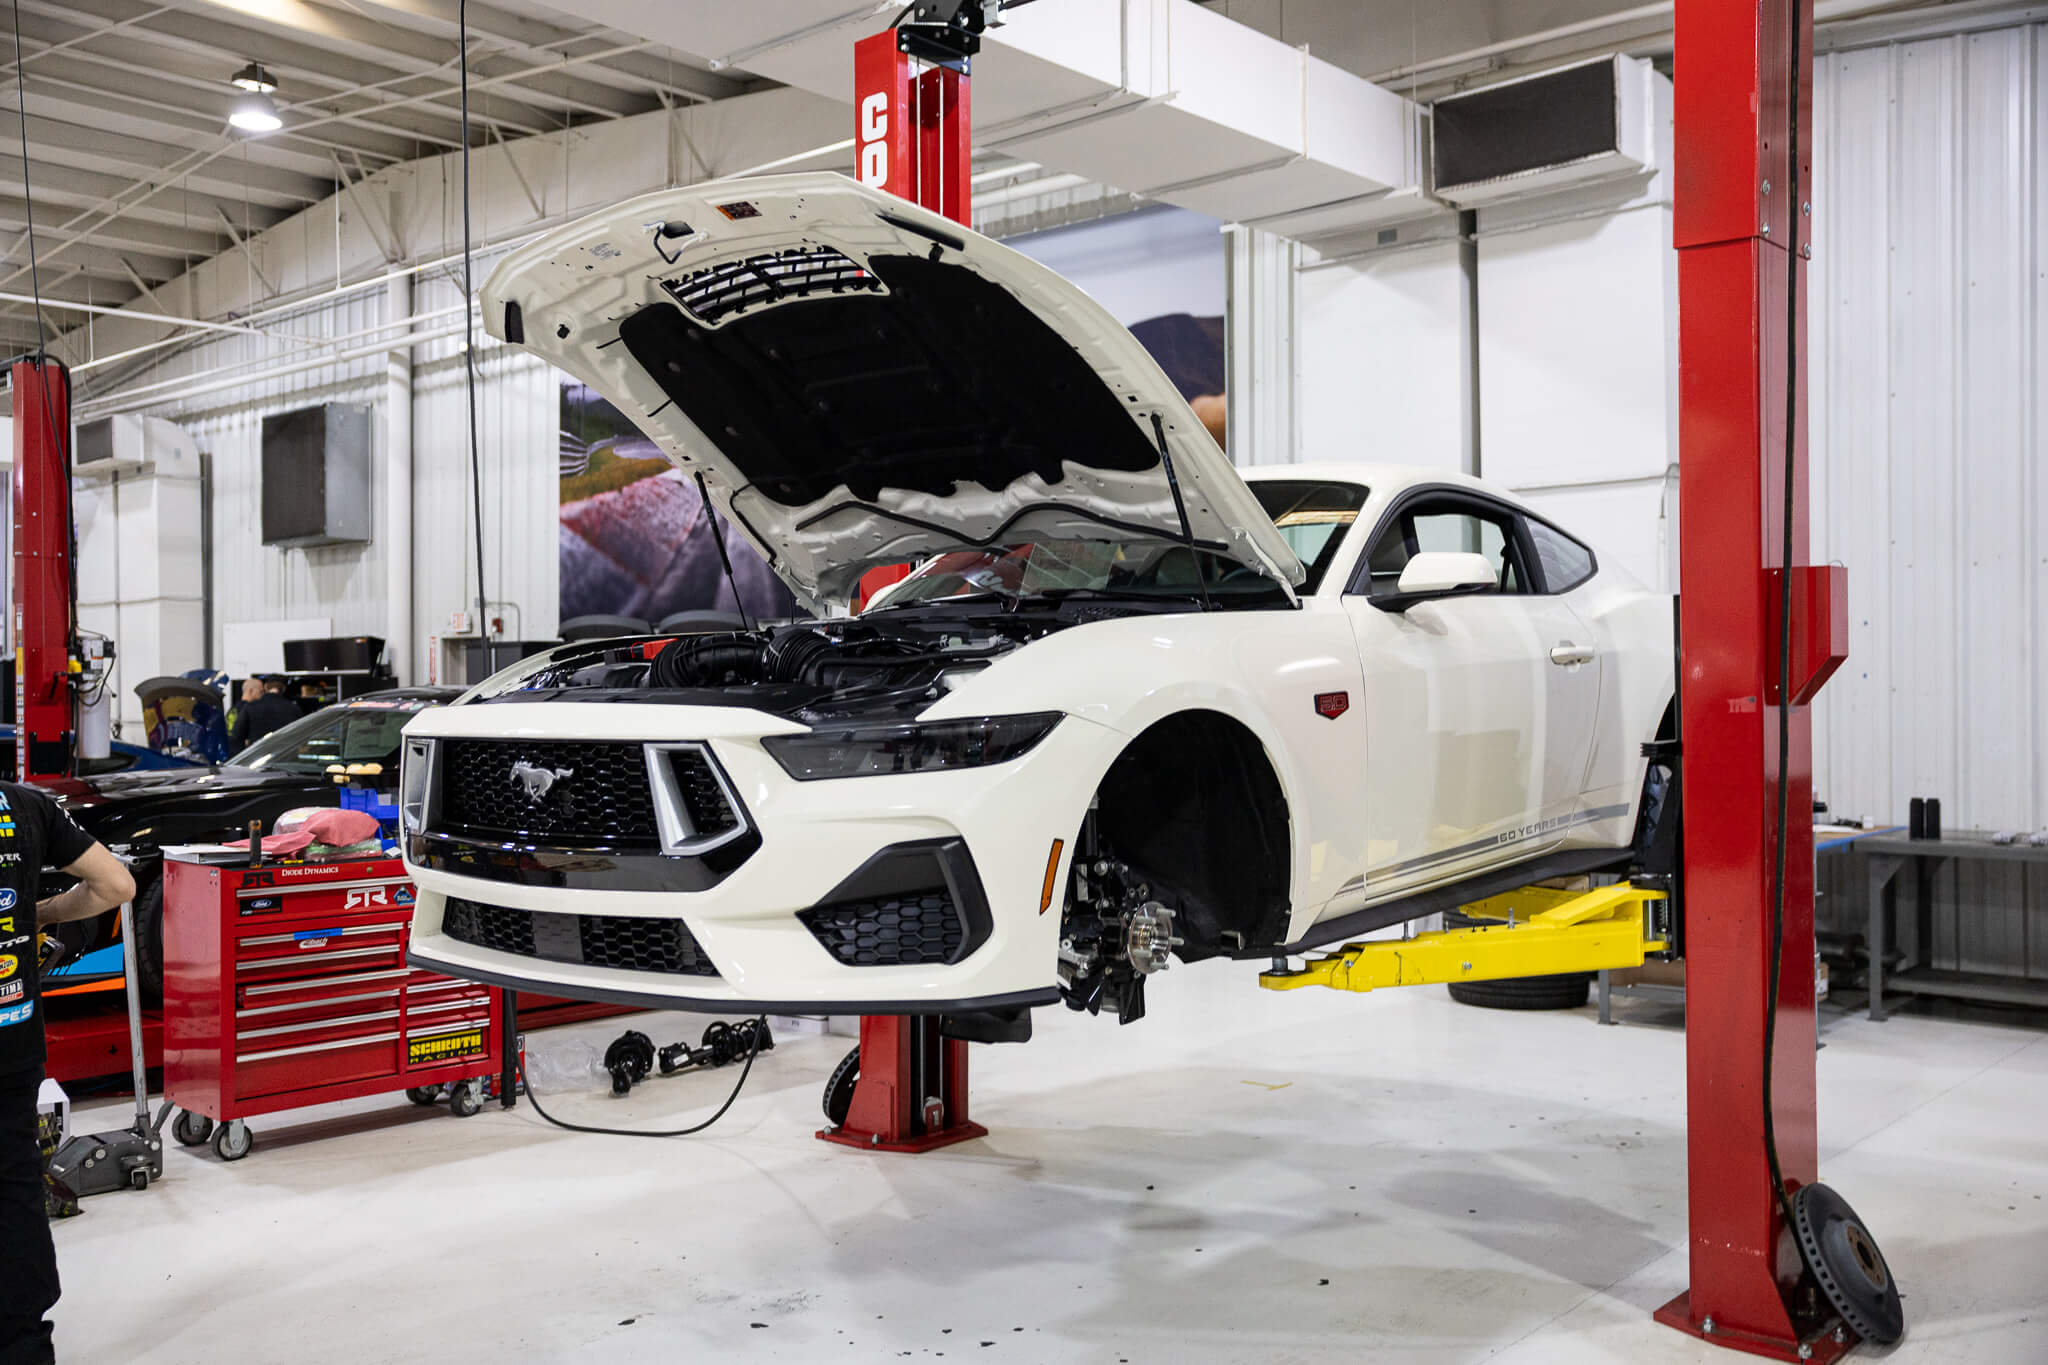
(911, 138)
(1741, 234)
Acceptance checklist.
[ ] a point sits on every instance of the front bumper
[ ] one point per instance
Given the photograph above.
(815, 839)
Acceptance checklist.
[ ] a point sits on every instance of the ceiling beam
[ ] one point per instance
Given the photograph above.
(53, 139)
(78, 87)
(177, 54)
(530, 38)
(247, 254)
(127, 234)
(57, 183)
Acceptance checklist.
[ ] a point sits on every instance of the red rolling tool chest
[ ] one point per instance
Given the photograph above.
(286, 985)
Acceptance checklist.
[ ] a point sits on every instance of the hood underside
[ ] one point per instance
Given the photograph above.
(861, 382)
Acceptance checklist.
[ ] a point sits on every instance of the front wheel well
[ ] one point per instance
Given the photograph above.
(1193, 804)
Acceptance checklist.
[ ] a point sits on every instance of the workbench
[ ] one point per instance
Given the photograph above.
(1884, 857)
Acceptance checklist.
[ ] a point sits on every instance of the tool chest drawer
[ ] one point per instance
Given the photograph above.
(287, 985)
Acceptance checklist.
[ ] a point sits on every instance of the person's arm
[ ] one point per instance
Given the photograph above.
(103, 883)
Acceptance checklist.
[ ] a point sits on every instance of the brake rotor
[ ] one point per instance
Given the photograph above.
(1844, 1259)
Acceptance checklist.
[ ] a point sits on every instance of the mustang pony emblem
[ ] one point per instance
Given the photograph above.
(537, 782)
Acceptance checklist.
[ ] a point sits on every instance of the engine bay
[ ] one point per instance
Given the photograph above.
(810, 671)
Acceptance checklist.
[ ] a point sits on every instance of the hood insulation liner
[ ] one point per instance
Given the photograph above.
(941, 375)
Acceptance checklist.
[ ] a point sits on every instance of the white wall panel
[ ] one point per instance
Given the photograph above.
(1381, 354)
(519, 430)
(1928, 449)
(1578, 369)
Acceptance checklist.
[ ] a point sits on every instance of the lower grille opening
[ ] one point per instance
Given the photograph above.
(891, 931)
(624, 942)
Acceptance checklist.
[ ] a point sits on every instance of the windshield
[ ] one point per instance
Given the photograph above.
(1311, 517)
(358, 732)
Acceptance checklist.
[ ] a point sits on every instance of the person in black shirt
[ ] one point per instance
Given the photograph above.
(34, 833)
(265, 708)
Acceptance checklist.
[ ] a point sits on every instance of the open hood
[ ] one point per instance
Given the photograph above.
(862, 382)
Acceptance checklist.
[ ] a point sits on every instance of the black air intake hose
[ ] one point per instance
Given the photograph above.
(793, 651)
(707, 661)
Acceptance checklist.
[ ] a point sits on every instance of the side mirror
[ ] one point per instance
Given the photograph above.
(1439, 573)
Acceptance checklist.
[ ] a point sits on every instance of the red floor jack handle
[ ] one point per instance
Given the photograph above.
(1742, 236)
(911, 138)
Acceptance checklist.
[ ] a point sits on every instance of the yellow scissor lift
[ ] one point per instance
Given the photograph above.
(1533, 931)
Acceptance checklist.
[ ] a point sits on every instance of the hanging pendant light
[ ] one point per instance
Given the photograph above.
(253, 110)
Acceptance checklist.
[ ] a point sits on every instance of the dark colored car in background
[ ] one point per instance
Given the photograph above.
(121, 758)
(138, 813)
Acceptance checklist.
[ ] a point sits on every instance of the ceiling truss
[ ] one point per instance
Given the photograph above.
(135, 175)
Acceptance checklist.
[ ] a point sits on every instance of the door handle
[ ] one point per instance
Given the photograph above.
(1567, 654)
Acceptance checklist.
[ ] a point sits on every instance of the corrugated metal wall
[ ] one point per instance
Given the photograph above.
(1928, 308)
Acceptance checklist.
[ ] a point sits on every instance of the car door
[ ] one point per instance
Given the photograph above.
(1580, 674)
(1460, 770)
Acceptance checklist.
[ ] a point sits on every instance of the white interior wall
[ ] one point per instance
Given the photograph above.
(1578, 375)
(1381, 346)
(1930, 458)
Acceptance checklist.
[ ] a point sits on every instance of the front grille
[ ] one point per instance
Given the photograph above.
(703, 799)
(718, 291)
(573, 793)
(893, 931)
(643, 945)
(625, 942)
(489, 926)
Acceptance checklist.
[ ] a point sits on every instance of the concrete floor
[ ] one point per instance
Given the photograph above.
(1244, 1176)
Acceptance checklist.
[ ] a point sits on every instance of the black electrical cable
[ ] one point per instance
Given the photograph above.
(476, 477)
(1784, 791)
(760, 1030)
(28, 203)
(60, 433)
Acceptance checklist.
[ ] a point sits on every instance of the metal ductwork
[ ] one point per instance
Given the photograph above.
(1161, 98)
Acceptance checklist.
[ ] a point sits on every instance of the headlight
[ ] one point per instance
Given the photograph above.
(415, 784)
(879, 750)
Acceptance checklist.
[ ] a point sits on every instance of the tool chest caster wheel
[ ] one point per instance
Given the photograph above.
(233, 1141)
(464, 1099)
(424, 1095)
(190, 1129)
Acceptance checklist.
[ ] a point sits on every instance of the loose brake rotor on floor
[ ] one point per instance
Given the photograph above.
(1845, 1260)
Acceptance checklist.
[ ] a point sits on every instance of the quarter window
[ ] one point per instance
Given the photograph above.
(1566, 563)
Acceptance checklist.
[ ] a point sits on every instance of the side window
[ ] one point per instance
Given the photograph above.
(1447, 524)
(1566, 563)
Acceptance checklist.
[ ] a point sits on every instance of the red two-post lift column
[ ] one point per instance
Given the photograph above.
(911, 138)
(45, 722)
(1741, 232)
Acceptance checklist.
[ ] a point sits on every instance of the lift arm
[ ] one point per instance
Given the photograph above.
(1541, 932)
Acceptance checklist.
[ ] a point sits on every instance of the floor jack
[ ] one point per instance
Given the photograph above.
(95, 1163)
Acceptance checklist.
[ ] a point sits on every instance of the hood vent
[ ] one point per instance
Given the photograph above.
(720, 291)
